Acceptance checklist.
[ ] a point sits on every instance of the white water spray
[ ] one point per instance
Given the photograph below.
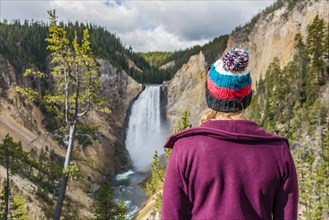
(145, 133)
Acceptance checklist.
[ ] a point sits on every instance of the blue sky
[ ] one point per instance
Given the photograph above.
(146, 25)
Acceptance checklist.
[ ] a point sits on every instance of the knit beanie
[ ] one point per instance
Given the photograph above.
(228, 86)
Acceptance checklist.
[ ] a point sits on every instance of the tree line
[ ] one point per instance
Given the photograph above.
(24, 45)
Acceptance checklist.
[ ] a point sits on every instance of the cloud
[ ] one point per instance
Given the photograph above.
(157, 40)
(146, 25)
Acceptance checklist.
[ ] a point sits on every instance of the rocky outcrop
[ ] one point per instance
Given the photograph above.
(167, 65)
(7, 76)
(132, 65)
(108, 152)
(186, 90)
(120, 90)
(273, 35)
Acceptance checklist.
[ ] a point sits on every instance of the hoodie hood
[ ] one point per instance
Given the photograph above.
(234, 130)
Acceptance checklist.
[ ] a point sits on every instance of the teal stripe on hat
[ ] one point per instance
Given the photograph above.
(229, 81)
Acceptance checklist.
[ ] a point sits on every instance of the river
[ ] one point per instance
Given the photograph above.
(145, 134)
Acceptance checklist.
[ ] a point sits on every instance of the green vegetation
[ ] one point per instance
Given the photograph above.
(105, 206)
(24, 45)
(12, 157)
(74, 91)
(155, 184)
(44, 173)
(287, 102)
(156, 57)
(17, 207)
(211, 50)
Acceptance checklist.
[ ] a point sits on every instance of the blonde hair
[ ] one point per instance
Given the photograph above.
(210, 114)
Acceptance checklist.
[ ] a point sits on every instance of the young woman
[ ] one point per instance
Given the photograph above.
(229, 168)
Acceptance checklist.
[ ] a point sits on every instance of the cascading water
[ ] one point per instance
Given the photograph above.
(145, 134)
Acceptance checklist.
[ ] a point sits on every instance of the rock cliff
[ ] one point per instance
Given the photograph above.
(273, 35)
(120, 90)
(186, 90)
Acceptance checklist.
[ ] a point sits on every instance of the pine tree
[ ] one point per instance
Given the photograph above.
(75, 90)
(121, 211)
(105, 207)
(18, 208)
(301, 61)
(271, 92)
(317, 48)
(155, 185)
(2, 203)
(12, 157)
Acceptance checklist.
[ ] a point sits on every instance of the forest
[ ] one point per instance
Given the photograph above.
(23, 44)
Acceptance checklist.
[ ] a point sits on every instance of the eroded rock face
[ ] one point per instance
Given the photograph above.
(7, 76)
(187, 90)
(273, 35)
(120, 90)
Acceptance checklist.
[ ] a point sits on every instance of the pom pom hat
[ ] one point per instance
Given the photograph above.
(228, 86)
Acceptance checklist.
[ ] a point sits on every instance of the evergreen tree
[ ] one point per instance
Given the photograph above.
(155, 185)
(301, 61)
(75, 90)
(105, 207)
(121, 211)
(18, 208)
(12, 157)
(317, 48)
(2, 203)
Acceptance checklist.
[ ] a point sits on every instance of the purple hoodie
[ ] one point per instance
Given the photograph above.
(229, 169)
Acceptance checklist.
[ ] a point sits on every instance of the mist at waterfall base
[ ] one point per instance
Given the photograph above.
(145, 133)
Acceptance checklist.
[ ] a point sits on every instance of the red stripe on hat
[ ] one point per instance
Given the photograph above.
(224, 93)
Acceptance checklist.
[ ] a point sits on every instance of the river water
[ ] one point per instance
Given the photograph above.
(145, 134)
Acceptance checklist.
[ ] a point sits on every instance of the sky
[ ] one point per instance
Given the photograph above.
(145, 25)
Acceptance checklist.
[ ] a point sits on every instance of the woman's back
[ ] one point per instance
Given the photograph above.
(230, 169)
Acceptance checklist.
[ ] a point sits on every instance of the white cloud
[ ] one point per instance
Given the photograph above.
(157, 40)
(145, 25)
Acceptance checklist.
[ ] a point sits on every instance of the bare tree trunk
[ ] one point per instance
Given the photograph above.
(64, 180)
(7, 192)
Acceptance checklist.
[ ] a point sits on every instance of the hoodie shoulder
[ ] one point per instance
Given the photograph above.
(258, 135)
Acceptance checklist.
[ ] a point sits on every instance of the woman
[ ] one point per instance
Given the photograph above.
(229, 168)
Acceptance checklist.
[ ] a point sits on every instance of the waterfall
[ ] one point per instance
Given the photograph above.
(145, 133)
